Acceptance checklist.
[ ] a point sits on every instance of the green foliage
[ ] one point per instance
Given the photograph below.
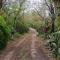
(54, 44)
(57, 23)
(21, 27)
(38, 25)
(5, 32)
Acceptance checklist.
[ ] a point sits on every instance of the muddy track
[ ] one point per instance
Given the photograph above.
(26, 49)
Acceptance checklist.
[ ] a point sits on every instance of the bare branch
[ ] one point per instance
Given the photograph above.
(46, 3)
(38, 13)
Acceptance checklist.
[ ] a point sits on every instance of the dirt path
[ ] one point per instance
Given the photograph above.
(26, 49)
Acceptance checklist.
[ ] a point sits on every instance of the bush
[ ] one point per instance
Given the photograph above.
(54, 43)
(21, 27)
(38, 26)
(5, 33)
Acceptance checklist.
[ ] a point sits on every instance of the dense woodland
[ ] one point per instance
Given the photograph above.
(16, 19)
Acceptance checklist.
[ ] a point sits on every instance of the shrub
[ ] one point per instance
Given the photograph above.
(5, 33)
(21, 27)
(54, 43)
(38, 26)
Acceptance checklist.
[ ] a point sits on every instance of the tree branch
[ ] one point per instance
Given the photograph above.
(38, 13)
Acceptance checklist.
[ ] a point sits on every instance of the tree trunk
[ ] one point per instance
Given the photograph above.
(1, 3)
(57, 6)
(53, 26)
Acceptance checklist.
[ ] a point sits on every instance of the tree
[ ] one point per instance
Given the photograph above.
(1, 3)
(57, 6)
(14, 11)
(52, 14)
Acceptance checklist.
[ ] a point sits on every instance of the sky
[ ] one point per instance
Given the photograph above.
(31, 4)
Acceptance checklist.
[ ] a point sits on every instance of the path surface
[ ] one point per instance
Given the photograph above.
(26, 49)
